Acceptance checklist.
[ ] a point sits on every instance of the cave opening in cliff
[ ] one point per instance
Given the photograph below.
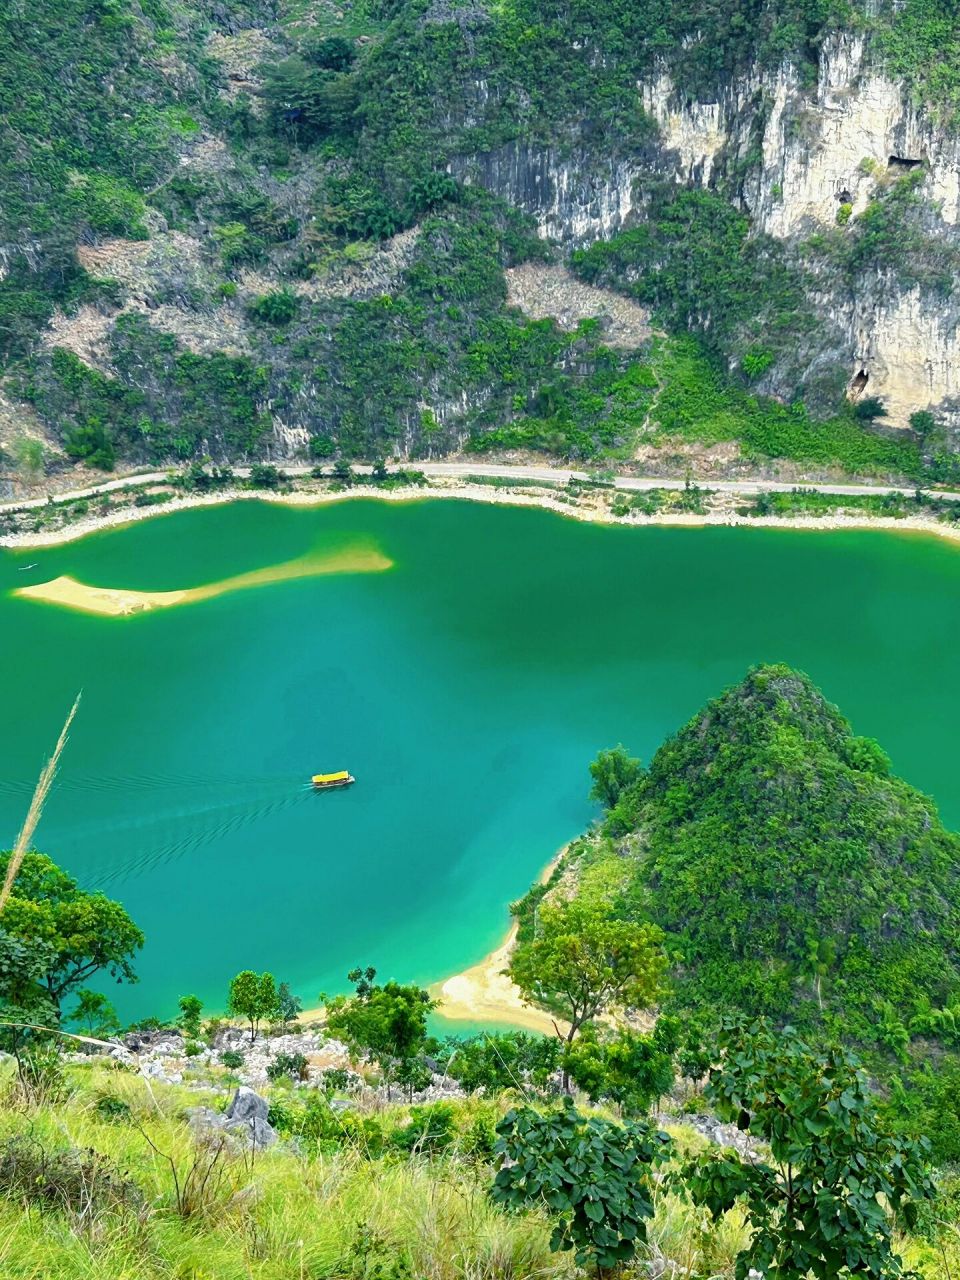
(858, 384)
(902, 164)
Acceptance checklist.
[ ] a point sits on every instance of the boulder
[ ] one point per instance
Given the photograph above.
(245, 1118)
(247, 1105)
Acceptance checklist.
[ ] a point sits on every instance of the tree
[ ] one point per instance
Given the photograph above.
(95, 1014)
(591, 1176)
(822, 1205)
(191, 1008)
(25, 1003)
(30, 457)
(612, 772)
(343, 472)
(583, 962)
(333, 53)
(868, 408)
(628, 1068)
(288, 1005)
(388, 1023)
(83, 933)
(923, 422)
(278, 307)
(253, 997)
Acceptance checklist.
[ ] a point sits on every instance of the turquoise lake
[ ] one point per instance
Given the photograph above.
(467, 688)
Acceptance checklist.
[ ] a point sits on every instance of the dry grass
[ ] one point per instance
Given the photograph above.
(34, 813)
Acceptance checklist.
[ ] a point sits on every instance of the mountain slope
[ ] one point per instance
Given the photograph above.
(244, 228)
(794, 875)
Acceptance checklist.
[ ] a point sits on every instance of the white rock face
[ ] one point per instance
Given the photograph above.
(823, 148)
(912, 355)
(820, 147)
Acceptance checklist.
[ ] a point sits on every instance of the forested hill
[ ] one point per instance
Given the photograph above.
(619, 232)
(793, 874)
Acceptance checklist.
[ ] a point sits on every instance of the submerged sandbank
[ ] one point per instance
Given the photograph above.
(117, 602)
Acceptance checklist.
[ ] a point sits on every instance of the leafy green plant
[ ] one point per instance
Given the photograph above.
(820, 1206)
(592, 1177)
(191, 1008)
(386, 1022)
(584, 961)
(613, 771)
(277, 308)
(253, 997)
(292, 1065)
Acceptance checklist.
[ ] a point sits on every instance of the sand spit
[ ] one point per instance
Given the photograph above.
(484, 993)
(116, 602)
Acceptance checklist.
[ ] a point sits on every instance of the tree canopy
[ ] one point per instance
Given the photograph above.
(386, 1022)
(80, 934)
(823, 1204)
(583, 962)
(253, 997)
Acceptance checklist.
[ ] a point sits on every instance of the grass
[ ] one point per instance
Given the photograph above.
(298, 1213)
(697, 403)
(273, 1216)
(44, 783)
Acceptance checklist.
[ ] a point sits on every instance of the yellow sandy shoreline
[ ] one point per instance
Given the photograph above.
(484, 993)
(477, 493)
(116, 602)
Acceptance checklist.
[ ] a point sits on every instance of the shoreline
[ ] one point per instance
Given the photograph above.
(483, 992)
(591, 513)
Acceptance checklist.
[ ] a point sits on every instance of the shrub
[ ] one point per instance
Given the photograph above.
(430, 1128)
(82, 1183)
(232, 1058)
(336, 1080)
(193, 1049)
(110, 1107)
(278, 307)
(823, 1203)
(593, 1177)
(264, 476)
(757, 361)
(288, 1064)
(868, 408)
(923, 422)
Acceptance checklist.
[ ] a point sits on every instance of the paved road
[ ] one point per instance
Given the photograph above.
(521, 474)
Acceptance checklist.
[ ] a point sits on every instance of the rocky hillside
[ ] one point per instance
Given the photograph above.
(409, 227)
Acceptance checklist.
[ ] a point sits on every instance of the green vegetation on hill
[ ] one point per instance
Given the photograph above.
(790, 876)
(834, 890)
(123, 122)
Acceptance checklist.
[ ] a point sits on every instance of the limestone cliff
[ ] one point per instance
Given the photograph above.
(794, 158)
(240, 230)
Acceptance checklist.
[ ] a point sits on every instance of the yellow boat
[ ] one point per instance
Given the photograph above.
(322, 781)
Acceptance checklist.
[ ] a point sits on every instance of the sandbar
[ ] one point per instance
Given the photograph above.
(117, 602)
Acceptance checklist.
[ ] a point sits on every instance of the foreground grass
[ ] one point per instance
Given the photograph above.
(294, 1212)
(275, 1214)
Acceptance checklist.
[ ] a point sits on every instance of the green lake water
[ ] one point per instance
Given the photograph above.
(467, 688)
